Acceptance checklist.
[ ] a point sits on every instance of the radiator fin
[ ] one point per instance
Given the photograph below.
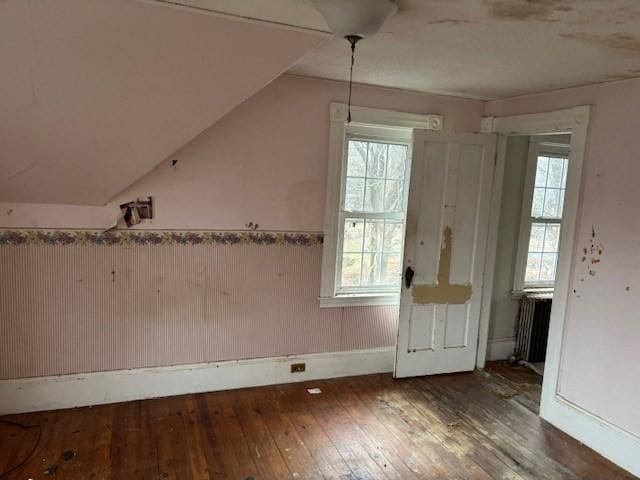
(533, 328)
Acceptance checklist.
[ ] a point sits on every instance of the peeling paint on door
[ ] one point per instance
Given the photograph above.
(444, 292)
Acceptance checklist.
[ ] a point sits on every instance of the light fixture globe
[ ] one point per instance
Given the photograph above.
(355, 18)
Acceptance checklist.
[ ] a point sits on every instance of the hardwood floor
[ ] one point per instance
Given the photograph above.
(479, 426)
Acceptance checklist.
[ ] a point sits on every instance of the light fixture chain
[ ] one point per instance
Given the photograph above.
(352, 39)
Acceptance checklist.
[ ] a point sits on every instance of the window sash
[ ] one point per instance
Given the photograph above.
(343, 214)
(350, 290)
(537, 148)
(540, 283)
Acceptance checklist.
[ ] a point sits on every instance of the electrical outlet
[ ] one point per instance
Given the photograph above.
(298, 367)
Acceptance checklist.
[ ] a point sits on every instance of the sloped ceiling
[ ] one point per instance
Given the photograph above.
(484, 49)
(95, 93)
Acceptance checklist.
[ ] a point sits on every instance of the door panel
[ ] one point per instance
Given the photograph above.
(422, 327)
(447, 224)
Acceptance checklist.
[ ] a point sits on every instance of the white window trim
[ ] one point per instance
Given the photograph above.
(366, 121)
(537, 145)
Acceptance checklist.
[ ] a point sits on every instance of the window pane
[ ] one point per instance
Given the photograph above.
(533, 267)
(373, 195)
(353, 235)
(556, 166)
(541, 171)
(393, 237)
(538, 202)
(396, 162)
(391, 269)
(551, 203)
(357, 159)
(371, 269)
(537, 237)
(354, 194)
(548, 267)
(377, 160)
(551, 238)
(393, 196)
(373, 233)
(548, 194)
(351, 263)
(543, 253)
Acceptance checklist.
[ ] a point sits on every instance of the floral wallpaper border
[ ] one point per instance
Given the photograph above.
(147, 237)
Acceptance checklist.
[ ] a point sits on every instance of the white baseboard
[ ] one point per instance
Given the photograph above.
(66, 391)
(500, 348)
(610, 441)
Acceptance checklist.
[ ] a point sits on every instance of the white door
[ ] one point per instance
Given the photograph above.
(445, 248)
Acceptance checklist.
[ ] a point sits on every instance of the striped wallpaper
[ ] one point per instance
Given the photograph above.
(78, 307)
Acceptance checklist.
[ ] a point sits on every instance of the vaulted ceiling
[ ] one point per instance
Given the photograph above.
(95, 93)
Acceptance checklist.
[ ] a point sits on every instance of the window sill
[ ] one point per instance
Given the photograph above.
(541, 292)
(359, 300)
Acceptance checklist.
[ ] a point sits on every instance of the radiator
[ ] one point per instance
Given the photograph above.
(533, 328)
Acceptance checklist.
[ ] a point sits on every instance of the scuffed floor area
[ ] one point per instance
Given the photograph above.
(481, 425)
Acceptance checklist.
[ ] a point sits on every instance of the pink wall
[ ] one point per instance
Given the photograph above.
(266, 162)
(44, 215)
(64, 311)
(599, 370)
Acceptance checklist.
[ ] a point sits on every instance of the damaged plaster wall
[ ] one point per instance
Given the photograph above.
(599, 367)
(127, 305)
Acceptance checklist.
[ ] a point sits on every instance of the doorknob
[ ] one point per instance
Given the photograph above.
(408, 276)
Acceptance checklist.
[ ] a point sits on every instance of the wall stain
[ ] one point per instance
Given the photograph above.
(612, 77)
(444, 291)
(521, 10)
(448, 21)
(618, 43)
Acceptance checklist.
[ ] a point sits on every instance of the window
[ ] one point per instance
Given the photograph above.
(372, 214)
(367, 191)
(542, 214)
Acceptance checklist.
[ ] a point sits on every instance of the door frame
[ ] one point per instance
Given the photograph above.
(614, 443)
(575, 121)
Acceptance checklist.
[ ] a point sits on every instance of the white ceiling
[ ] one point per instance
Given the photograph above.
(95, 93)
(483, 49)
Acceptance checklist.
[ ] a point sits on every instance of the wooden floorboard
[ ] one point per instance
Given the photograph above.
(476, 426)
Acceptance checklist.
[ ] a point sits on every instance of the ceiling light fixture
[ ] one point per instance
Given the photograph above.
(355, 20)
